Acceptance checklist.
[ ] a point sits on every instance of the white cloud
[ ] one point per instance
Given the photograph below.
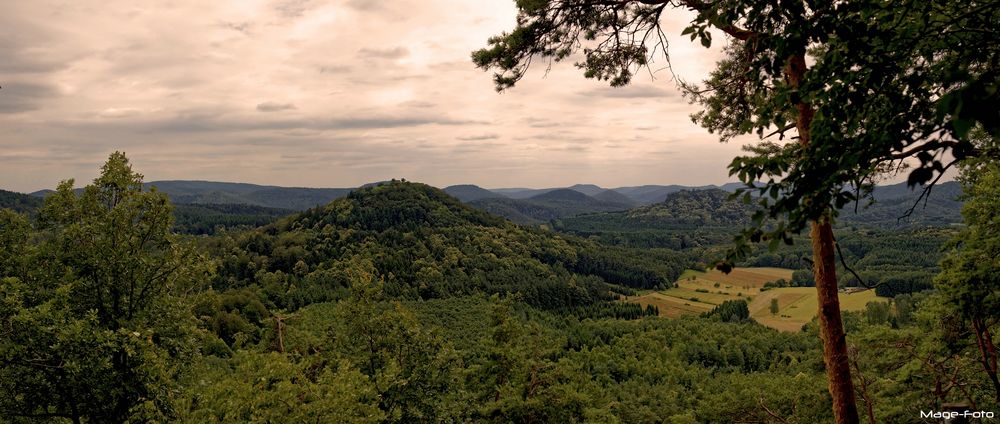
(355, 91)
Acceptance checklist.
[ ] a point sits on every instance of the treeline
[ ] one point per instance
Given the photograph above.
(207, 219)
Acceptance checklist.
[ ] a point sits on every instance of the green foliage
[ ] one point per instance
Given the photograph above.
(18, 202)
(548, 206)
(970, 277)
(272, 387)
(93, 320)
(410, 368)
(914, 352)
(731, 311)
(427, 245)
(209, 218)
(391, 305)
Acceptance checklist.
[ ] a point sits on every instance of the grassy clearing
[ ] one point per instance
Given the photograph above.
(670, 306)
(796, 305)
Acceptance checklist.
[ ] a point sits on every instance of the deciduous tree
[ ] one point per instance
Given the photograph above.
(93, 326)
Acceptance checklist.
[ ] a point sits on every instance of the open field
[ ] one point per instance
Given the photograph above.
(740, 277)
(671, 307)
(796, 305)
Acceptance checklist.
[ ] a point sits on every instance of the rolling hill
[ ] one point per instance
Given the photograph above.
(427, 244)
(891, 202)
(208, 192)
(546, 206)
(612, 196)
(19, 202)
(685, 209)
(469, 192)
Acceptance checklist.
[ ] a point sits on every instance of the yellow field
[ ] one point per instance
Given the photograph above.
(743, 278)
(672, 307)
(796, 305)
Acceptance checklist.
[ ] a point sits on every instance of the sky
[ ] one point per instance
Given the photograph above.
(337, 93)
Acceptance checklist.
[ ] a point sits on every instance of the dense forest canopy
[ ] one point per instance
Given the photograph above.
(398, 303)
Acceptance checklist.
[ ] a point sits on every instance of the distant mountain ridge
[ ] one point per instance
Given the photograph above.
(548, 205)
(469, 192)
(534, 206)
(19, 202)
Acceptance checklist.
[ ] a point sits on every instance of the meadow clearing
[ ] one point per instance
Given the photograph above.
(700, 291)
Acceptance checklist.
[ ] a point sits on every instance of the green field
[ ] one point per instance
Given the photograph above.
(700, 291)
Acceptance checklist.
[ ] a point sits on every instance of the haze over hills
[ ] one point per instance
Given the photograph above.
(19, 202)
(469, 192)
(546, 206)
(215, 193)
(263, 203)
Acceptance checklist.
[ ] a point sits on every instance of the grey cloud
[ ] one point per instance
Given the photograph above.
(335, 69)
(292, 8)
(365, 5)
(241, 27)
(274, 106)
(115, 113)
(475, 147)
(629, 92)
(26, 48)
(569, 149)
(17, 97)
(541, 123)
(17, 60)
(479, 137)
(398, 52)
(215, 122)
(418, 104)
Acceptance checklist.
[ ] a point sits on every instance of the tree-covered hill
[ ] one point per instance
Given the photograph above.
(685, 209)
(210, 192)
(470, 192)
(650, 194)
(207, 218)
(694, 208)
(613, 196)
(546, 206)
(889, 205)
(427, 244)
(19, 202)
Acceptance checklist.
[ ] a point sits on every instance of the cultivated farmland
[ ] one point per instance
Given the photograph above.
(700, 291)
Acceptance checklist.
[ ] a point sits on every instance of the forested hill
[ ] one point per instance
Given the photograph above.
(426, 244)
(892, 202)
(208, 192)
(19, 202)
(695, 208)
(469, 192)
(549, 205)
(685, 209)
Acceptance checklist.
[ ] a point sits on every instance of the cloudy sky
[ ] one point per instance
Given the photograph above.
(326, 94)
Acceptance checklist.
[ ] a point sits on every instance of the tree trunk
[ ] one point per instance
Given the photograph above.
(831, 327)
(988, 353)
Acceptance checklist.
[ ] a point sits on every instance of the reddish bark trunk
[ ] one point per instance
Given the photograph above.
(831, 326)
